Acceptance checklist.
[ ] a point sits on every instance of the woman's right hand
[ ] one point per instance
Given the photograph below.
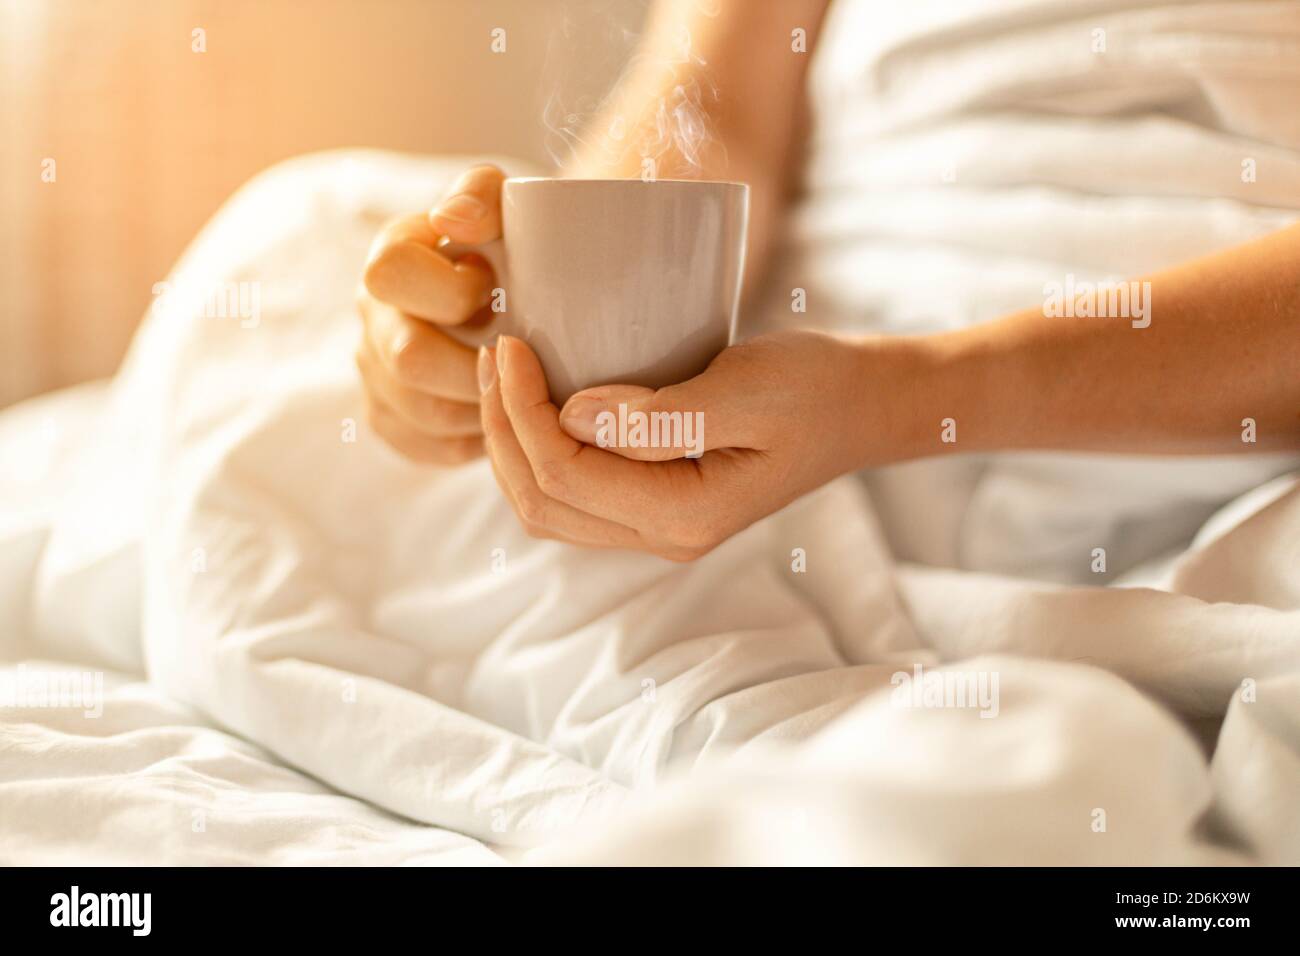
(421, 386)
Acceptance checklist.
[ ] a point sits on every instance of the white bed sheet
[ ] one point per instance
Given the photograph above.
(340, 667)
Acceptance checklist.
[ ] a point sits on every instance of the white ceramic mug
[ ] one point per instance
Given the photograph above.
(616, 280)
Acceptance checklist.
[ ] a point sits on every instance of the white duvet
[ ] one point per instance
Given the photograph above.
(314, 652)
(301, 649)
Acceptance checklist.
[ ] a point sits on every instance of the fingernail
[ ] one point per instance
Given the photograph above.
(501, 356)
(579, 418)
(461, 207)
(487, 369)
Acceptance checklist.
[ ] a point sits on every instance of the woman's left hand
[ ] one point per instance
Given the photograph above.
(768, 420)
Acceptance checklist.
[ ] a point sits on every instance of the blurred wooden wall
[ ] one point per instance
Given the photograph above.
(149, 136)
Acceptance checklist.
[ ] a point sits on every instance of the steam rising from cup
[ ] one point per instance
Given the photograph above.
(671, 142)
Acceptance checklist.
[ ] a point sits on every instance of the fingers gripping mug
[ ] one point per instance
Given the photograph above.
(616, 281)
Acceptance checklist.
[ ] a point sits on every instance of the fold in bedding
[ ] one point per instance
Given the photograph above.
(318, 652)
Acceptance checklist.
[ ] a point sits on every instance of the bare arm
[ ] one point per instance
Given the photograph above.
(715, 92)
(789, 411)
(1223, 345)
(711, 95)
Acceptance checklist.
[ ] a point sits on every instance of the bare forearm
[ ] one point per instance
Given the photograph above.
(1218, 364)
(714, 93)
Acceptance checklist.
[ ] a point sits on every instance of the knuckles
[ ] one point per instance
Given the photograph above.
(406, 358)
(552, 478)
(531, 504)
(415, 446)
(436, 414)
(693, 536)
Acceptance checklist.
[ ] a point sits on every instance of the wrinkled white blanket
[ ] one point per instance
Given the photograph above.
(313, 651)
